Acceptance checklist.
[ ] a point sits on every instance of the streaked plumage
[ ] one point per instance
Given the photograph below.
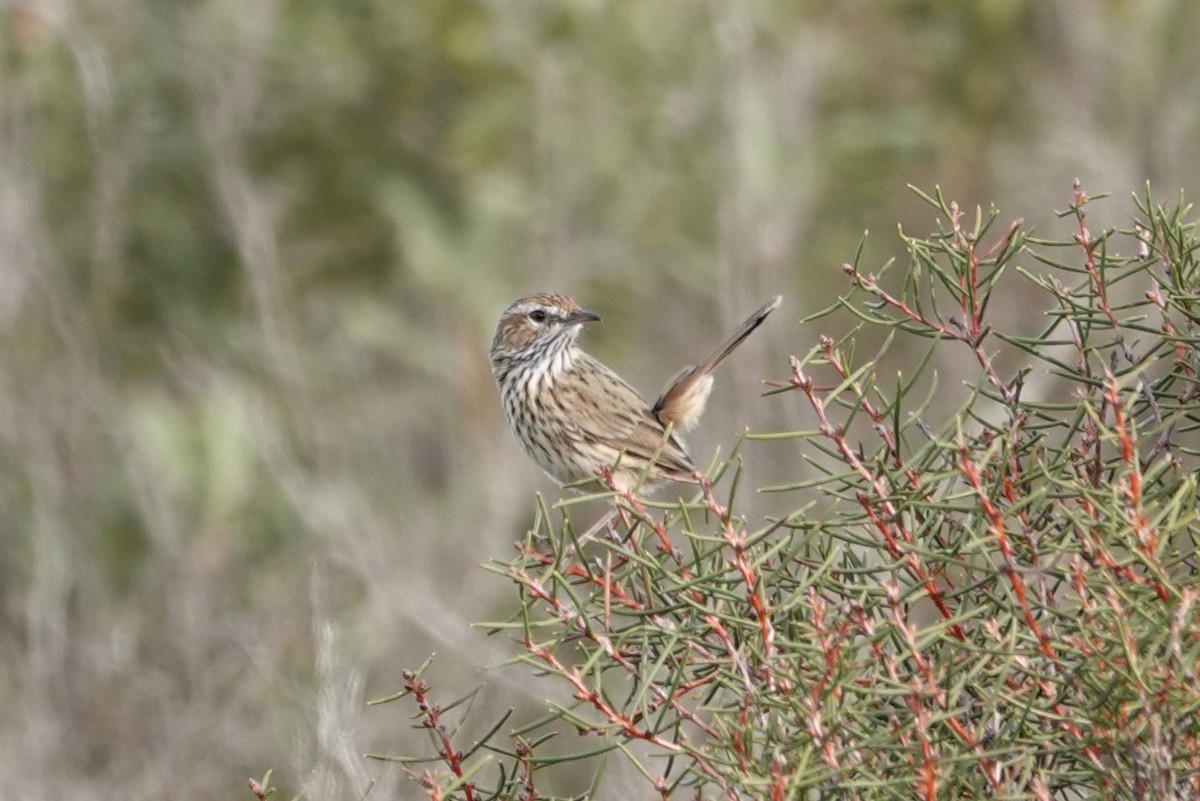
(575, 416)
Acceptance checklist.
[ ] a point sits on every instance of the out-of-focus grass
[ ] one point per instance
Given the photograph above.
(251, 254)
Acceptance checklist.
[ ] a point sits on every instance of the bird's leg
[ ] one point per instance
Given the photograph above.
(625, 521)
(604, 522)
(608, 522)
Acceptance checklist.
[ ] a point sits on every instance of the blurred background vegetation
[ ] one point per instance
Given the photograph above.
(251, 255)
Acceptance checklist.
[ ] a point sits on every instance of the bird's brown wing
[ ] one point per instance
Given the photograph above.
(613, 420)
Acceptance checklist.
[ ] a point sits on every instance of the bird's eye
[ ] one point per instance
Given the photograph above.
(538, 316)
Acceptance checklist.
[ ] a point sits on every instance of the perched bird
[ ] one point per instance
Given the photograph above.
(576, 417)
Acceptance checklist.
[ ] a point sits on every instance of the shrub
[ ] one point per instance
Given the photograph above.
(1002, 606)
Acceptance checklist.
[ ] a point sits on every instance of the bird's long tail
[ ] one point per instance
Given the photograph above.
(739, 336)
(682, 402)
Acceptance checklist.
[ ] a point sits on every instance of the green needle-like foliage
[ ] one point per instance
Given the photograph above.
(1001, 604)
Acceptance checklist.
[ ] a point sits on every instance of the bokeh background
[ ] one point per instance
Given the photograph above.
(251, 256)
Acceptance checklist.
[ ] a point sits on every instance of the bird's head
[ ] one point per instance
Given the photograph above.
(538, 327)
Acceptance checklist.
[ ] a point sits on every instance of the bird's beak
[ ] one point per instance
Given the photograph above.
(580, 316)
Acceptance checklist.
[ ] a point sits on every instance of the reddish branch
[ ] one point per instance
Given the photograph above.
(1144, 533)
(1099, 285)
(887, 525)
(972, 331)
(737, 545)
(431, 720)
(997, 530)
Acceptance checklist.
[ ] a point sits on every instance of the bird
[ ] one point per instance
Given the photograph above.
(579, 420)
